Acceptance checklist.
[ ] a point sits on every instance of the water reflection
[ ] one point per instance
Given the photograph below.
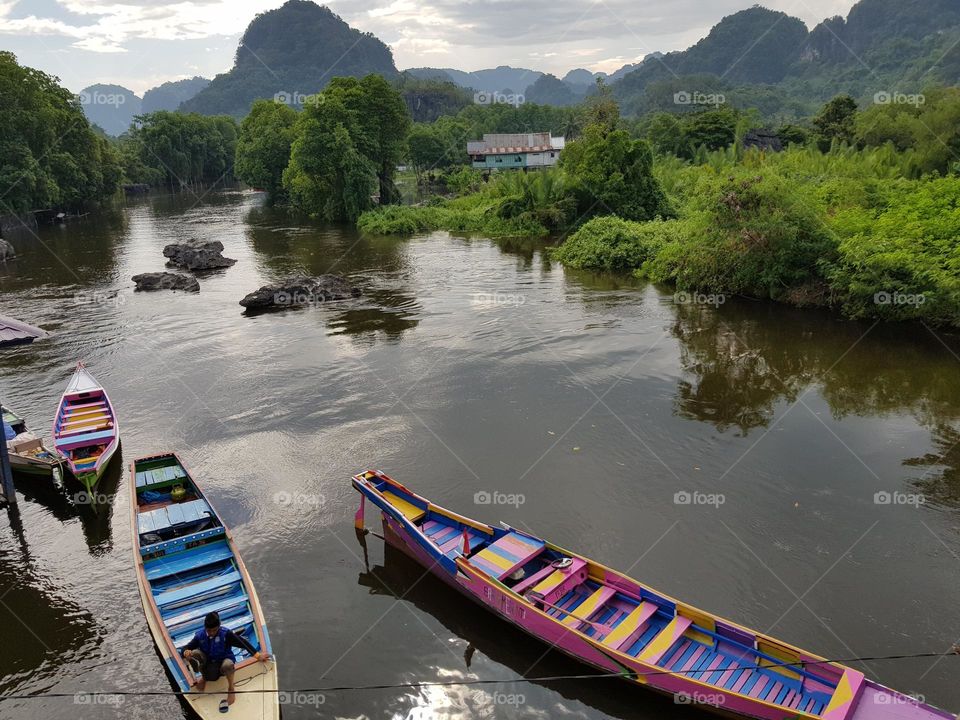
(402, 578)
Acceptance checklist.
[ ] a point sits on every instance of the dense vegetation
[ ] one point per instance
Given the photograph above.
(292, 52)
(174, 149)
(49, 154)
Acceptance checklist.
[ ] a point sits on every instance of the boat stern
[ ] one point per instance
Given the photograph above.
(877, 702)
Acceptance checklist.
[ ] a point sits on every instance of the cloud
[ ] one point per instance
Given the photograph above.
(552, 35)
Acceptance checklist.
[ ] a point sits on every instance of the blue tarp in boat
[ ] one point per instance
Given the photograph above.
(8, 433)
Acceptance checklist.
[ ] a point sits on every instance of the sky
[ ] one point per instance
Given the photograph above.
(142, 43)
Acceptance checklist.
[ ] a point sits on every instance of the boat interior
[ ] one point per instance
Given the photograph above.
(188, 561)
(622, 615)
(84, 429)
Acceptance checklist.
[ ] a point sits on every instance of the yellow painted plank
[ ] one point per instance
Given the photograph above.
(588, 606)
(550, 582)
(494, 559)
(411, 511)
(630, 623)
(664, 639)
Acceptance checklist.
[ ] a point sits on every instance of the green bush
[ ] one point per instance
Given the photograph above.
(609, 243)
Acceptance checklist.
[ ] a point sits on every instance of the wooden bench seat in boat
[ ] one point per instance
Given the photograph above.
(181, 562)
(589, 606)
(665, 639)
(84, 440)
(146, 478)
(234, 623)
(630, 627)
(558, 583)
(506, 555)
(412, 512)
(196, 589)
(175, 514)
(78, 406)
(198, 612)
(103, 425)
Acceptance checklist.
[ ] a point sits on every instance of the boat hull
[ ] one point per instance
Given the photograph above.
(852, 696)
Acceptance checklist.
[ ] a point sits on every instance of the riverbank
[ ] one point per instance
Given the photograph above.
(844, 230)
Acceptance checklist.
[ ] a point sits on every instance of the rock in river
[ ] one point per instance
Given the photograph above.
(166, 281)
(6, 251)
(197, 255)
(300, 290)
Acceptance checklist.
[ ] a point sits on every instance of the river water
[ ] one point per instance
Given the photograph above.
(789, 470)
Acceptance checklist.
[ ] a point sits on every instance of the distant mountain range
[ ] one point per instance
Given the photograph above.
(113, 107)
(756, 58)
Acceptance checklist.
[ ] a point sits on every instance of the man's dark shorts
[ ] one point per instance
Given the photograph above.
(211, 670)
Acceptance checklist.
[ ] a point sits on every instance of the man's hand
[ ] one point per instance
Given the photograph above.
(261, 656)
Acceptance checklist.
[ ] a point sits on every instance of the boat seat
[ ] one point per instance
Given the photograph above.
(589, 606)
(195, 589)
(665, 639)
(625, 631)
(234, 623)
(174, 514)
(78, 413)
(93, 438)
(503, 557)
(177, 563)
(533, 579)
(412, 512)
(181, 616)
(102, 425)
(145, 478)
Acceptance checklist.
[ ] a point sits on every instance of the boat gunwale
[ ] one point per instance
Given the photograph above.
(363, 482)
(146, 589)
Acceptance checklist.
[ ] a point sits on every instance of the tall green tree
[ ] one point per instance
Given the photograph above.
(263, 146)
(614, 175)
(836, 122)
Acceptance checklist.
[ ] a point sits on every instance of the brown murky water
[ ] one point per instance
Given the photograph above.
(473, 366)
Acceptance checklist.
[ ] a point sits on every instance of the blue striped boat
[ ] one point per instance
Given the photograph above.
(187, 566)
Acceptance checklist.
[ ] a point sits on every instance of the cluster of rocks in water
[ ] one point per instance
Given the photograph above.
(192, 255)
(6, 251)
(300, 290)
(198, 256)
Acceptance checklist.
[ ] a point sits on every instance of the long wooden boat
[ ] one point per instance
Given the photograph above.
(618, 625)
(187, 566)
(86, 432)
(26, 451)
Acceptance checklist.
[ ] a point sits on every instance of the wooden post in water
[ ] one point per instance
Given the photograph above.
(7, 494)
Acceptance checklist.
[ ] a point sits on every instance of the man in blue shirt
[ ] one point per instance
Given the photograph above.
(210, 653)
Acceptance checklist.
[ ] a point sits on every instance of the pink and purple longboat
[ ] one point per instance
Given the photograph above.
(618, 625)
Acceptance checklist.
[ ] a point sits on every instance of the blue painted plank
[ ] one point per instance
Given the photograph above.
(183, 615)
(196, 589)
(181, 562)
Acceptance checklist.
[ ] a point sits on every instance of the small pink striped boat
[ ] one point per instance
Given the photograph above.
(86, 432)
(618, 625)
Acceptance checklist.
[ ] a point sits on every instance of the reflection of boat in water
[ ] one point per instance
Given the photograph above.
(613, 623)
(27, 452)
